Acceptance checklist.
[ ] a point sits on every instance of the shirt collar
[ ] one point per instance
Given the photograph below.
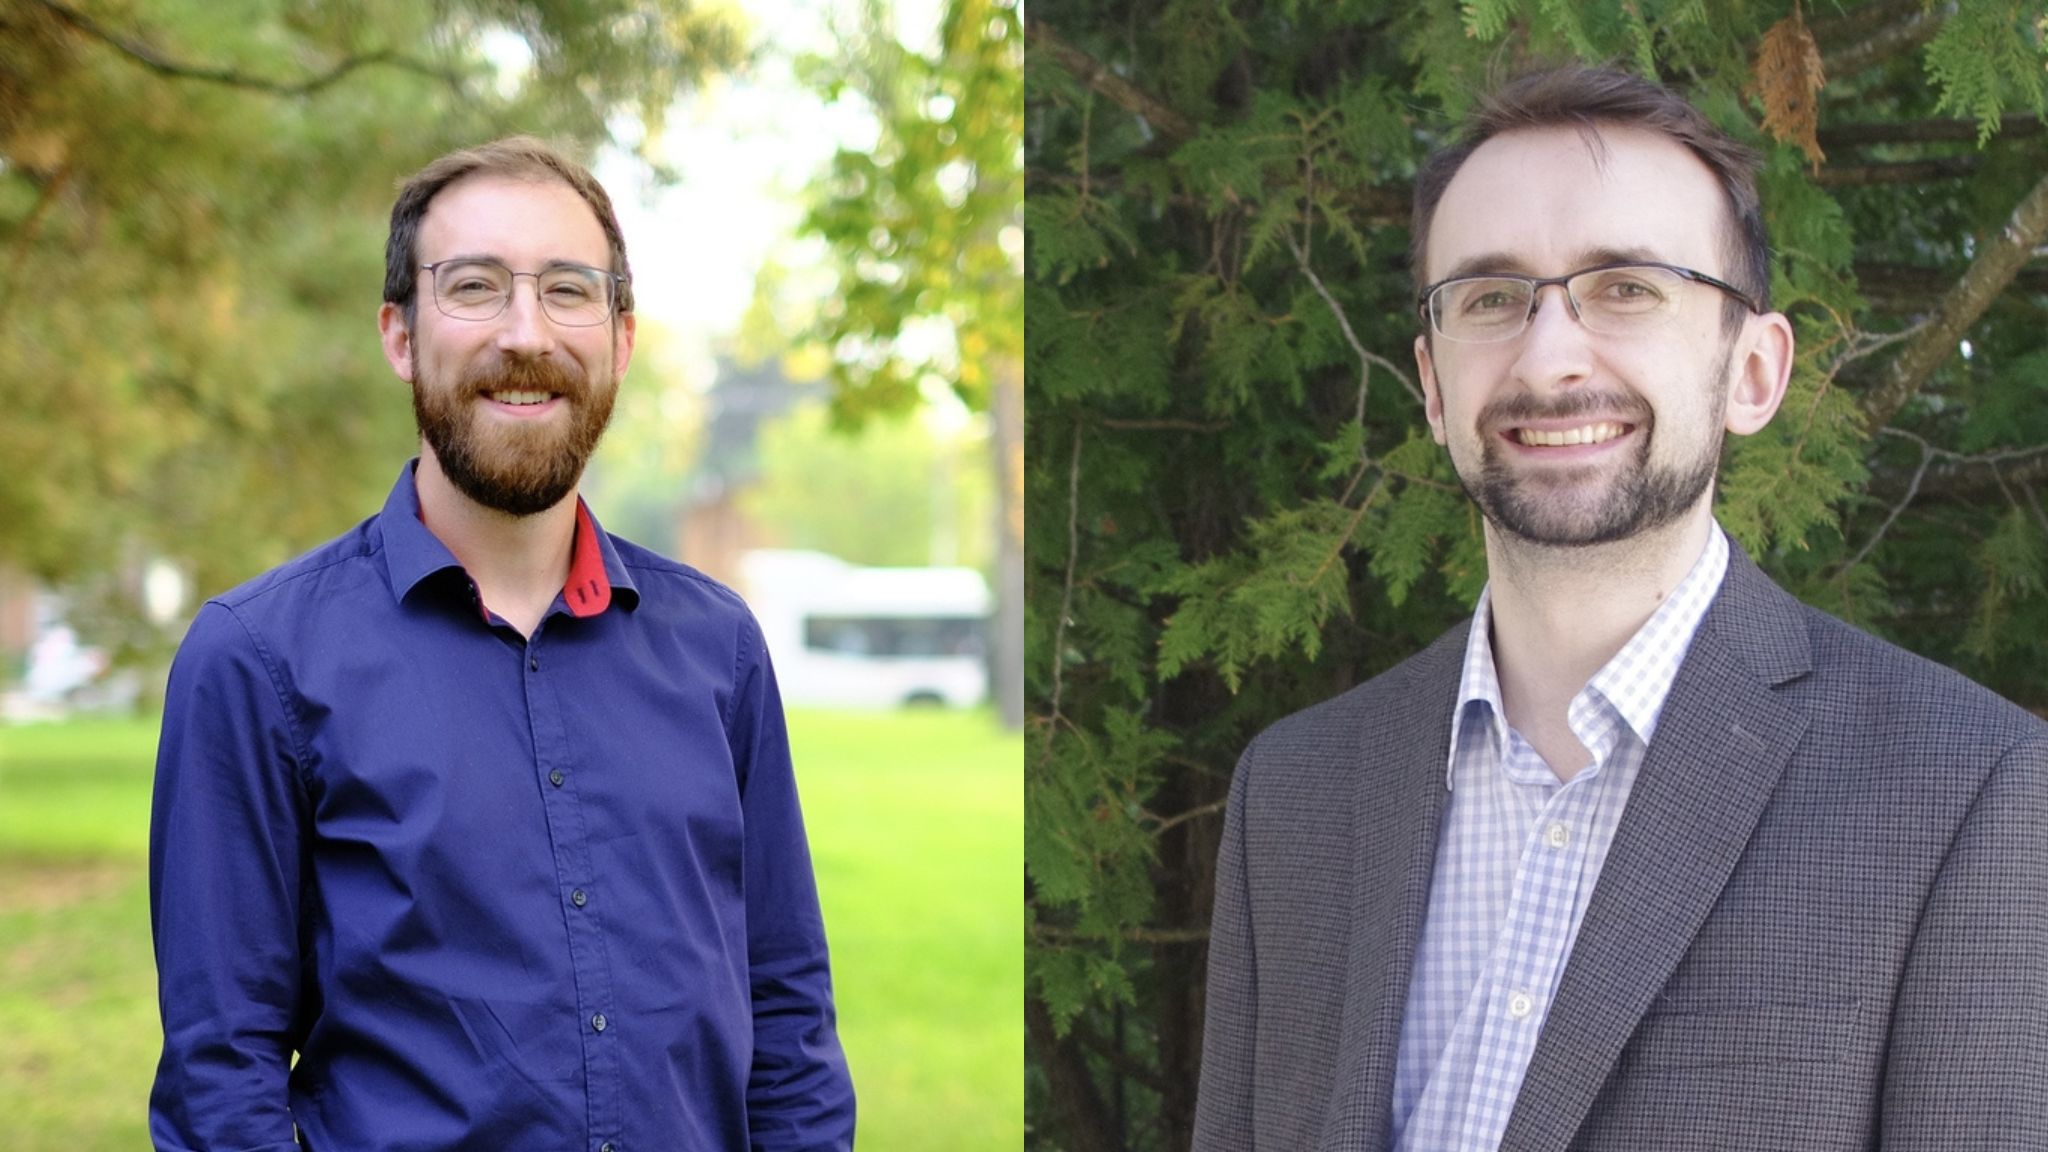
(413, 554)
(1636, 681)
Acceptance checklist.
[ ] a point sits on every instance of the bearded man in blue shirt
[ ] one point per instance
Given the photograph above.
(476, 827)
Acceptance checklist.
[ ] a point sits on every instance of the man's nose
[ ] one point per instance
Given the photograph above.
(1556, 349)
(525, 326)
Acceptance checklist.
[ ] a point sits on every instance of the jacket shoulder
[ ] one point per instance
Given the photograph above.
(1859, 673)
(1413, 692)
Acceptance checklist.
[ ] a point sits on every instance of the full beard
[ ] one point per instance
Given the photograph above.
(1574, 509)
(517, 468)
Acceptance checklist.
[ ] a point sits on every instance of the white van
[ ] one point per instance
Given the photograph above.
(843, 636)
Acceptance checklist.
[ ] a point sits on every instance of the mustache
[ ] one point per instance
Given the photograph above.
(524, 375)
(1523, 408)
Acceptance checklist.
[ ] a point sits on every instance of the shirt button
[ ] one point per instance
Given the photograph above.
(555, 777)
(578, 898)
(1559, 836)
(1519, 1006)
(533, 662)
(598, 1022)
(607, 1146)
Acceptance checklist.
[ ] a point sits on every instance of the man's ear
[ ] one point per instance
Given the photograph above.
(1761, 375)
(622, 345)
(397, 338)
(1432, 397)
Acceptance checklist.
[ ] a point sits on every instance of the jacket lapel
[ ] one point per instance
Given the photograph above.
(1399, 805)
(1722, 741)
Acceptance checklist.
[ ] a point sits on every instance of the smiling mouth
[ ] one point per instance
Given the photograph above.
(521, 399)
(1596, 433)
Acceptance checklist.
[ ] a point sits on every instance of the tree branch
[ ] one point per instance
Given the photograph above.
(1912, 490)
(1997, 262)
(1211, 809)
(155, 62)
(1165, 425)
(1905, 33)
(1084, 1122)
(1836, 29)
(1366, 359)
(46, 198)
(1915, 287)
(1121, 1061)
(1158, 114)
(1955, 475)
(1901, 172)
(1059, 631)
(1923, 132)
(1057, 935)
(1863, 344)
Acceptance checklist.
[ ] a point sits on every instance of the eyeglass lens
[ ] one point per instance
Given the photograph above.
(482, 289)
(1614, 301)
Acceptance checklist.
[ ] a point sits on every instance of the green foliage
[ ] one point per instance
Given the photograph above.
(903, 494)
(195, 256)
(1272, 597)
(915, 224)
(1992, 54)
(1075, 231)
(1236, 509)
(2013, 563)
(1086, 851)
(925, 232)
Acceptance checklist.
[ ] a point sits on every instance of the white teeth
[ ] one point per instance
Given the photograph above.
(521, 397)
(1584, 434)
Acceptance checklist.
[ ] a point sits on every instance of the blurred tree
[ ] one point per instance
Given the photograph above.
(924, 230)
(901, 492)
(193, 202)
(1234, 506)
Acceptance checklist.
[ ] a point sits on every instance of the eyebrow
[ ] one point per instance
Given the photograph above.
(491, 257)
(1505, 264)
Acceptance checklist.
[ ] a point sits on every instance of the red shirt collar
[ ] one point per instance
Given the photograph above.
(588, 590)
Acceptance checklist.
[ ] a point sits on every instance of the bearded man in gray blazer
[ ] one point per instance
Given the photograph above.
(1648, 855)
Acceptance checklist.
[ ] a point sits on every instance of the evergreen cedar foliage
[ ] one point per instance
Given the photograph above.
(1233, 505)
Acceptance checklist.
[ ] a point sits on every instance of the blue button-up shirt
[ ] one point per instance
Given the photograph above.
(493, 892)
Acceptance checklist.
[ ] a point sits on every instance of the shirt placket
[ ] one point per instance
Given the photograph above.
(1523, 977)
(560, 779)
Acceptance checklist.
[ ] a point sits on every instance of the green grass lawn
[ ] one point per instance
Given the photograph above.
(916, 825)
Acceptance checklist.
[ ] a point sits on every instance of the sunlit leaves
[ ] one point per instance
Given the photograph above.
(188, 352)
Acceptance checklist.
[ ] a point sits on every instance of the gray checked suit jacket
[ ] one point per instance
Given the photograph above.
(1823, 923)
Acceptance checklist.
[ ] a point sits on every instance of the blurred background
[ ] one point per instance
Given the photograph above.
(822, 205)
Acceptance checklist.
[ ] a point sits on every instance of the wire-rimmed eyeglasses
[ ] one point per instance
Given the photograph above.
(1612, 299)
(574, 295)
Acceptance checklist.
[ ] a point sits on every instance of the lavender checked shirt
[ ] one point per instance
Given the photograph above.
(1518, 859)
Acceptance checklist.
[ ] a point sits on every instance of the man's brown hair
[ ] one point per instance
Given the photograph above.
(516, 158)
(1591, 98)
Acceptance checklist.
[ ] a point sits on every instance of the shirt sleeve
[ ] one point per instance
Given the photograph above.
(227, 832)
(799, 1095)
